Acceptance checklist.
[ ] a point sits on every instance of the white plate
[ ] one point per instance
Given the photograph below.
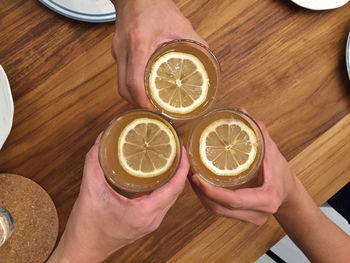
(348, 55)
(6, 107)
(83, 10)
(320, 4)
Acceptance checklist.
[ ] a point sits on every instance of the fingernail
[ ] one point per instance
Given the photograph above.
(98, 138)
(243, 110)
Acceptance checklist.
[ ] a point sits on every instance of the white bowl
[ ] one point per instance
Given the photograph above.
(320, 4)
(6, 107)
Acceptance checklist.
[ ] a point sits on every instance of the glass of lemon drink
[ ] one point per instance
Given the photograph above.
(139, 152)
(226, 148)
(182, 78)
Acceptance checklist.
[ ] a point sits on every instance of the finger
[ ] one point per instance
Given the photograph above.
(122, 88)
(120, 55)
(169, 192)
(201, 197)
(135, 84)
(92, 165)
(271, 149)
(205, 43)
(252, 216)
(92, 155)
(94, 182)
(192, 34)
(263, 129)
(98, 139)
(260, 123)
(243, 110)
(125, 94)
(247, 198)
(197, 38)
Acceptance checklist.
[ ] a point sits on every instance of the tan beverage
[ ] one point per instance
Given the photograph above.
(139, 152)
(182, 78)
(226, 148)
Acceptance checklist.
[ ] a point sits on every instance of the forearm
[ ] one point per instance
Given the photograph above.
(59, 255)
(75, 252)
(81, 242)
(319, 238)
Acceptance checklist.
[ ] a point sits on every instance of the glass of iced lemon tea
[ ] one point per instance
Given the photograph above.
(6, 225)
(182, 78)
(226, 148)
(139, 152)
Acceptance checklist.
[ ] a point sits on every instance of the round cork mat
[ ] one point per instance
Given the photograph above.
(35, 220)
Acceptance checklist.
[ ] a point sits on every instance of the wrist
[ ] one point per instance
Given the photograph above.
(59, 254)
(296, 199)
(84, 238)
(83, 241)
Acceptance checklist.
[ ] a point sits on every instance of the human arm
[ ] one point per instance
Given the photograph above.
(102, 221)
(317, 236)
(280, 194)
(141, 26)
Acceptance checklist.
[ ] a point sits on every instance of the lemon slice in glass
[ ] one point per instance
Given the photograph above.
(178, 82)
(228, 147)
(146, 148)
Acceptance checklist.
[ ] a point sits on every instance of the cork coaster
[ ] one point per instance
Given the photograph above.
(35, 219)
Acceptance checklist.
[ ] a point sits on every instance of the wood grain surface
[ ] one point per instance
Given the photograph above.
(323, 167)
(284, 64)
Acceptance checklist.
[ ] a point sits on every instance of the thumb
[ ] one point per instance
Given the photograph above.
(169, 192)
(137, 62)
(92, 168)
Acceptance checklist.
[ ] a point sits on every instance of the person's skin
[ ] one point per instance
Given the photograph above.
(280, 194)
(141, 26)
(102, 221)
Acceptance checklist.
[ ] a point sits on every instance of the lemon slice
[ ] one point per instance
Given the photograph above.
(228, 147)
(178, 82)
(146, 148)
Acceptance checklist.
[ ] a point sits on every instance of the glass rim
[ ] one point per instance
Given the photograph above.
(256, 170)
(7, 225)
(182, 40)
(109, 181)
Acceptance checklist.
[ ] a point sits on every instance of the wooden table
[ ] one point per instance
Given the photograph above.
(284, 64)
